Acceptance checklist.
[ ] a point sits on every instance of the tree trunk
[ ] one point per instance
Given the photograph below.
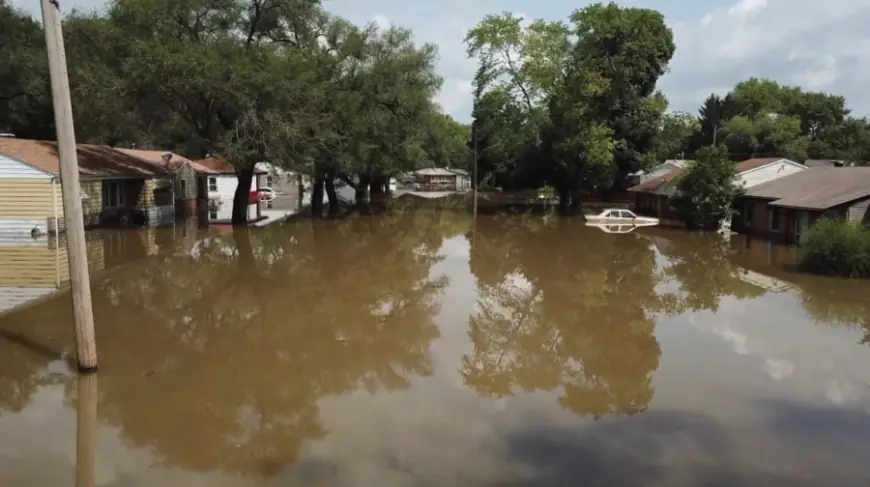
(379, 186)
(564, 199)
(362, 190)
(334, 205)
(317, 194)
(242, 196)
(301, 198)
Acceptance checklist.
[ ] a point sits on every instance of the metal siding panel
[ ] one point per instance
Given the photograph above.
(13, 169)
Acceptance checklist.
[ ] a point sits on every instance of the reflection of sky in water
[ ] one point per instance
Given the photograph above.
(752, 395)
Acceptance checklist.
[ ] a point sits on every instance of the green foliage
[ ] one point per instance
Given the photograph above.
(836, 247)
(569, 104)
(706, 190)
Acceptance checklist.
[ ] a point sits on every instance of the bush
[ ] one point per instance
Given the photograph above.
(836, 247)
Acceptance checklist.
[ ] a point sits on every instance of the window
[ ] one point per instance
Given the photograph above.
(268, 181)
(212, 215)
(773, 217)
(212, 184)
(183, 188)
(113, 194)
(748, 214)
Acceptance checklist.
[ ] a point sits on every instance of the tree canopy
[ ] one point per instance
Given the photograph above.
(282, 81)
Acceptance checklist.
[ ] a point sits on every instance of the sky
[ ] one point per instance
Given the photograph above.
(818, 45)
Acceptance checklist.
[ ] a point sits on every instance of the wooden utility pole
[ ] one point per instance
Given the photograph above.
(80, 281)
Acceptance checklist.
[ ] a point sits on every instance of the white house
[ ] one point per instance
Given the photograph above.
(221, 189)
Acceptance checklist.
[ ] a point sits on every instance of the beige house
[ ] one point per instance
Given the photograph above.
(116, 188)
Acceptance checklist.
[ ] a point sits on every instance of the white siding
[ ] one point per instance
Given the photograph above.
(769, 172)
(12, 169)
(23, 225)
(226, 191)
(226, 186)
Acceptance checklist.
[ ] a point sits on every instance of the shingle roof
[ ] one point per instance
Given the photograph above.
(817, 188)
(174, 163)
(94, 160)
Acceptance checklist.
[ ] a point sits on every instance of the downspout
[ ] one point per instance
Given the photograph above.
(54, 205)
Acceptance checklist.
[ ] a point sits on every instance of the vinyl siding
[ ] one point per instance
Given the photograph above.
(25, 199)
(13, 169)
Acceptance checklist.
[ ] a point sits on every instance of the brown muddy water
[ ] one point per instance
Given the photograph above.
(423, 348)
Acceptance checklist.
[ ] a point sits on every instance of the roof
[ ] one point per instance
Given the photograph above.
(817, 188)
(94, 160)
(435, 171)
(159, 157)
(217, 165)
(655, 181)
(652, 184)
(461, 172)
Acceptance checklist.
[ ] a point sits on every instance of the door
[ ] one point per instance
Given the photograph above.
(802, 222)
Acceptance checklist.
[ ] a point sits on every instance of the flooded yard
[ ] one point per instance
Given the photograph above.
(426, 348)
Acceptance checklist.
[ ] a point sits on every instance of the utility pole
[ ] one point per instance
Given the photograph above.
(80, 281)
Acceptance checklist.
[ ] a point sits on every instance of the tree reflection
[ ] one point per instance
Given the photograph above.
(566, 309)
(217, 358)
(703, 266)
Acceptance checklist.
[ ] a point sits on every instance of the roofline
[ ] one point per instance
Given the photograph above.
(30, 165)
(789, 161)
(820, 208)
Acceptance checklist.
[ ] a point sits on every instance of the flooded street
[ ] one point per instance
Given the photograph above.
(423, 348)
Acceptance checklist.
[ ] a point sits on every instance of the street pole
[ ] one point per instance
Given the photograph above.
(80, 283)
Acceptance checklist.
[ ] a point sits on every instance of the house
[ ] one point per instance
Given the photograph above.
(190, 178)
(115, 187)
(652, 197)
(782, 209)
(221, 184)
(443, 179)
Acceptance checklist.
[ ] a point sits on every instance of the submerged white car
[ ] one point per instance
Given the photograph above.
(617, 216)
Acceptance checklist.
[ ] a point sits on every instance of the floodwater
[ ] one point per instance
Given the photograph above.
(422, 348)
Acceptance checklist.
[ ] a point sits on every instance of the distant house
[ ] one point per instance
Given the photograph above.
(190, 178)
(116, 187)
(783, 209)
(443, 179)
(657, 171)
(828, 163)
(221, 184)
(652, 197)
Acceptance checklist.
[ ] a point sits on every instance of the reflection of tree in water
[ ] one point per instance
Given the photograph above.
(703, 266)
(566, 310)
(218, 359)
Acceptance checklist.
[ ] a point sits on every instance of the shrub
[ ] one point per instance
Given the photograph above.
(836, 247)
